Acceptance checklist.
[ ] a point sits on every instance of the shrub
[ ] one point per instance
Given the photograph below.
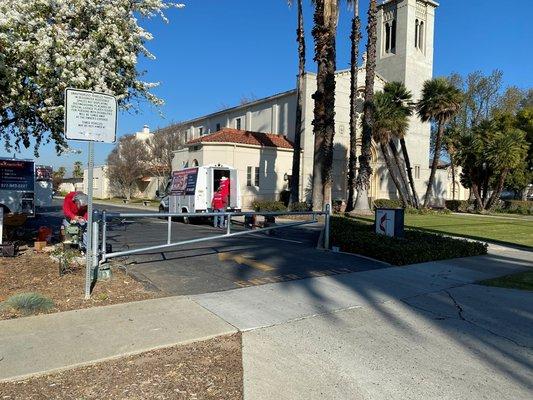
(268, 205)
(517, 207)
(301, 206)
(458, 205)
(387, 203)
(426, 211)
(29, 303)
(356, 237)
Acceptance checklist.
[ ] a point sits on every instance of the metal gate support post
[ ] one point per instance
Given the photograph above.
(169, 230)
(95, 246)
(326, 226)
(104, 233)
(228, 225)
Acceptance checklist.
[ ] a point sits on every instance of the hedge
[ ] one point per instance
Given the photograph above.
(268, 205)
(458, 205)
(416, 247)
(517, 207)
(387, 203)
(301, 206)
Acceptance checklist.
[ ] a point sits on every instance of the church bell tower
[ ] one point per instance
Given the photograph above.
(405, 42)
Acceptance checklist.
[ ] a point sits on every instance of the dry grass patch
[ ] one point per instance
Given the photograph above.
(36, 273)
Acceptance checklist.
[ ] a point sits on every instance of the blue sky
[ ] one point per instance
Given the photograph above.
(214, 52)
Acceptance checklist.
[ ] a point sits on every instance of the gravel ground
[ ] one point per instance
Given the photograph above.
(210, 369)
(37, 272)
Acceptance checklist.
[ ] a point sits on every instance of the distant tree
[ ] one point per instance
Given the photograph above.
(77, 172)
(387, 119)
(487, 155)
(365, 170)
(126, 165)
(57, 177)
(439, 102)
(160, 152)
(48, 46)
(401, 99)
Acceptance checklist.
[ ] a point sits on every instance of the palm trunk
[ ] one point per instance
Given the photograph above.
(435, 163)
(324, 113)
(496, 193)
(352, 164)
(362, 183)
(405, 154)
(399, 164)
(477, 196)
(319, 34)
(452, 166)
(329, 100)
(296, 157)
(392, 173)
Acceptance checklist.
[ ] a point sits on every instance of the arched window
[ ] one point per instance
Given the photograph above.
(387, 37)
(393, 37)
(421, 35)
(195, 162)
(416, 33)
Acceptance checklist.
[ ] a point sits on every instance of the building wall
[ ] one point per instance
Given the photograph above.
(275, 114)
(273, 164)
(100, 182)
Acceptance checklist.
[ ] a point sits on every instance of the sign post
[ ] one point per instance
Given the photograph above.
(92, 117)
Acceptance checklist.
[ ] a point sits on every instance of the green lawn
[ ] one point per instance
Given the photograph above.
(513, 230)
(523, 281)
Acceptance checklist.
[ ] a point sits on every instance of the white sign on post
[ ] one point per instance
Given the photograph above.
(90, 116)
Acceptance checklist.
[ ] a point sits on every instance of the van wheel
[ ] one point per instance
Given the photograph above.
(185, 220)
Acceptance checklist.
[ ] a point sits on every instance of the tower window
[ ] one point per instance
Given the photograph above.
(419, 34)
(238, 123)
(390, 36)
(416, 33)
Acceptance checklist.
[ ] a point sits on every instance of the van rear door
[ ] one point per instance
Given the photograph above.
(234, 189)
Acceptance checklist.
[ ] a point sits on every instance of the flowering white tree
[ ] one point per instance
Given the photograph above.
(49, 45)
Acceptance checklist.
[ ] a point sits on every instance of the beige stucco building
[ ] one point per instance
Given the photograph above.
(405, 53)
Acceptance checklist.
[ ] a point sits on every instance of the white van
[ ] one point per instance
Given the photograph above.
(191, 190)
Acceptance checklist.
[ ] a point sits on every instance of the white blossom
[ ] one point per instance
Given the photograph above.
(49, 45)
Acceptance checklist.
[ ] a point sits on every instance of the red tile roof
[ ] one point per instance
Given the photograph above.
(229, 135)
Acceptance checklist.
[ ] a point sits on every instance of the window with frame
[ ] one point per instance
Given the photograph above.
(249, 176)
(238, 123)
(417, 171)
(256, 178)
(218, 127)
(201, 130)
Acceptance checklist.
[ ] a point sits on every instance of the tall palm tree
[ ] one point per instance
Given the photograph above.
(324, 33)
(387, 119)
(355, 37)
(440, 101)
(300, 38)
(402, 98)
(362, 183)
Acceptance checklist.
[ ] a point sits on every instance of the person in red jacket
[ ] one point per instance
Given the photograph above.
(220, 202)
(75, 211)
(75, 207)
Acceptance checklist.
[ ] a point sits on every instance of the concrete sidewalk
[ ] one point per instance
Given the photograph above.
(416, 332)
(45, 343)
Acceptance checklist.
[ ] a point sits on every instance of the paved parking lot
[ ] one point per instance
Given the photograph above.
(224, 263)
